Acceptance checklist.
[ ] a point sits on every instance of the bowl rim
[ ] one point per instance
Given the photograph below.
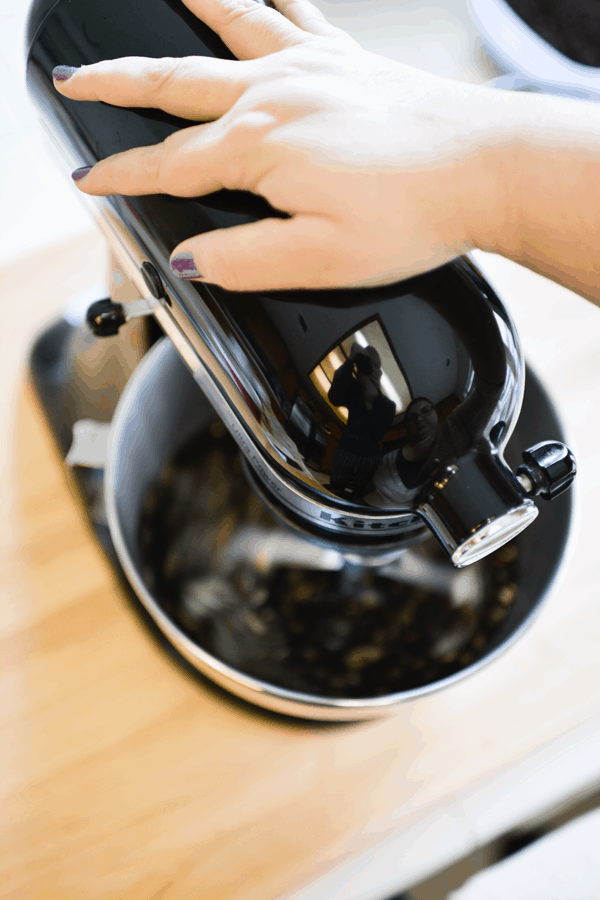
(514, 45)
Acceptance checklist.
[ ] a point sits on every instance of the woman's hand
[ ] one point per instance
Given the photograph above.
(371, 159)
(384, 170)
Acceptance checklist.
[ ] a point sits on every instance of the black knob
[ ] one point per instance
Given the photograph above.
(550, 467)
(152, 280)
(104, 318)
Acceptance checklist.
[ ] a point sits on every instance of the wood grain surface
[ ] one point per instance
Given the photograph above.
(121, 776)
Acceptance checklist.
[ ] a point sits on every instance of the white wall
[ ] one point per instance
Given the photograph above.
(39, 206)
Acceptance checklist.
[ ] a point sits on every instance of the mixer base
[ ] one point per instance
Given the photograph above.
(297, 628)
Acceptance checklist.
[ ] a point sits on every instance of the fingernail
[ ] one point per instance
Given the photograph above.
(78, 174)
(63, 73)
(183, 265)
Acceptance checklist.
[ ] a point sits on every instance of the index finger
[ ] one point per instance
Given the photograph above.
(248, 27)
(194, 87)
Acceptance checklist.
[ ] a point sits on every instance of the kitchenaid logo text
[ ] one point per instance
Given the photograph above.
(346, 522)
(302, 506)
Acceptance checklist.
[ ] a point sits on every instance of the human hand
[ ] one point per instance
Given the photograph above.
(371, 159)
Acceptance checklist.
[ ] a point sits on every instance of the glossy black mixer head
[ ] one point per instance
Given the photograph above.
(367, 417)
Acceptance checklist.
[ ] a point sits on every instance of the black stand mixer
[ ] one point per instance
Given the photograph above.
(374, 428)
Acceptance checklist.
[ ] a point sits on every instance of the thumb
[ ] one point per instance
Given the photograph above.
(273, 254)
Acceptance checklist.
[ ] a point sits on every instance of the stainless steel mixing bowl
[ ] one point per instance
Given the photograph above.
(162, 407)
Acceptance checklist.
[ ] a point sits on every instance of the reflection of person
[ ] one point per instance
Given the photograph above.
(385, 171)
(421, 421)
(356, 386)
(398, 477)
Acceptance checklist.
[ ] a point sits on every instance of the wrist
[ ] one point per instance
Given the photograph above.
(498, 178)
(543, 166)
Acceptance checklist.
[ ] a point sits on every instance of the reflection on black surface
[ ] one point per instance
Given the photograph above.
(401, 470)
(421, 422)
(356, 386)
(307, 432)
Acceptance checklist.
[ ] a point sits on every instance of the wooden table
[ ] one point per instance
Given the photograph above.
(123, 777)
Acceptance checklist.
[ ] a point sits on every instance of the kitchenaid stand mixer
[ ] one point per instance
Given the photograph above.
(367, 419)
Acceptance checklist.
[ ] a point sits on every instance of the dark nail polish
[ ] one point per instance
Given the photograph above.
(183, 265)
(78, 174)
(63, 73)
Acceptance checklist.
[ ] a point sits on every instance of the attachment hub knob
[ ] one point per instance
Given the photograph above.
(549, 467)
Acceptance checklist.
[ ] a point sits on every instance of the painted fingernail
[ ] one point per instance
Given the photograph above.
(183, 265)
(63, 73)
(78, 174)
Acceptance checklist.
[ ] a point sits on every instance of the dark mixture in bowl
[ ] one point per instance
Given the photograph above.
(213, 560)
